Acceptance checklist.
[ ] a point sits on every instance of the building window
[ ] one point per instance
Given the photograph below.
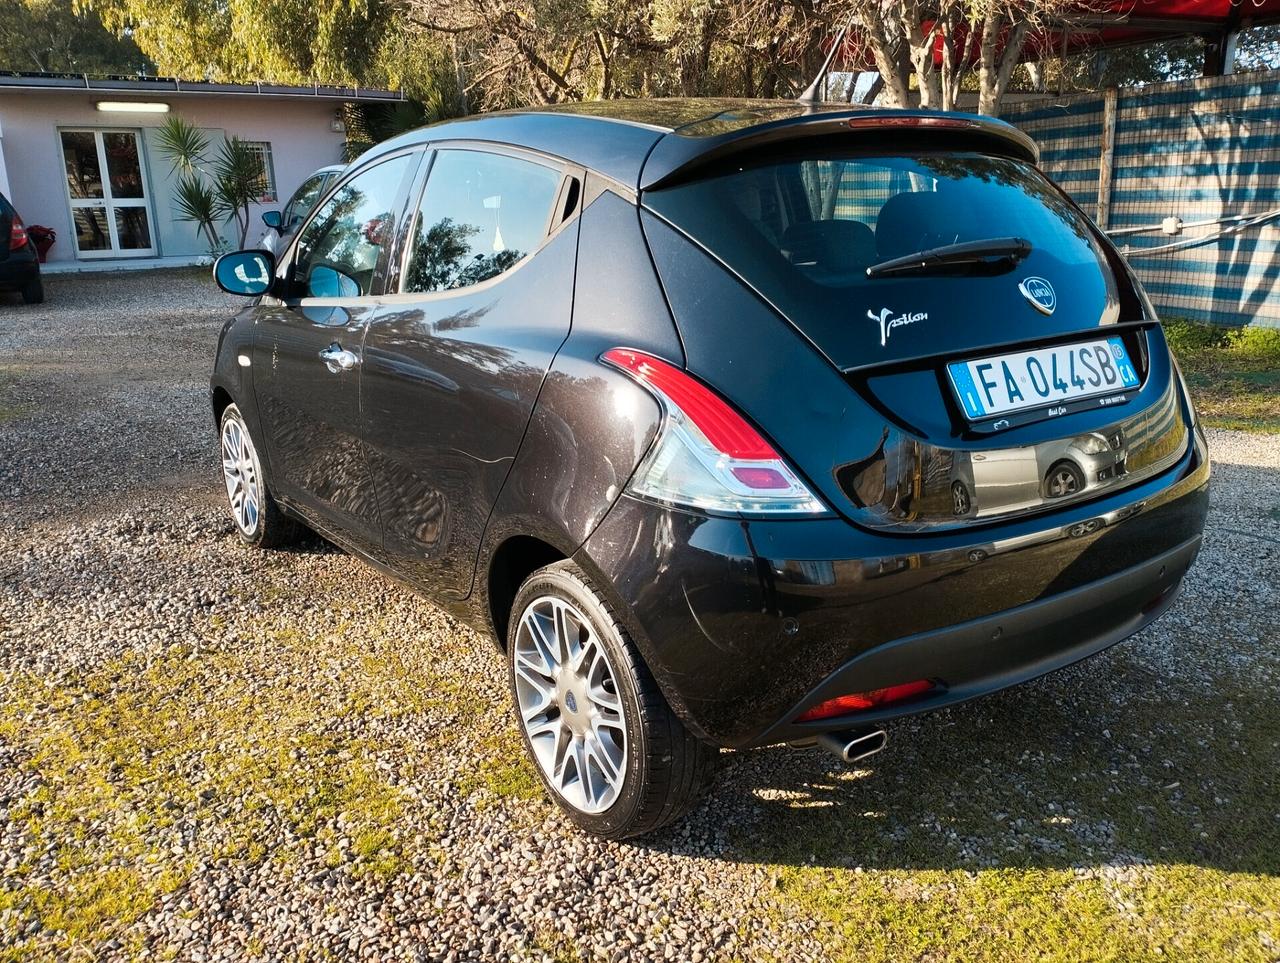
(267, 183)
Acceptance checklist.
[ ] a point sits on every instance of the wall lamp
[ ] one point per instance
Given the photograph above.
(132, 107)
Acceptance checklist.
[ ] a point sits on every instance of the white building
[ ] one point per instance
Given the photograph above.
(79, 155)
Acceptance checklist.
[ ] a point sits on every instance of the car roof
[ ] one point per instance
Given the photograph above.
(643, 144)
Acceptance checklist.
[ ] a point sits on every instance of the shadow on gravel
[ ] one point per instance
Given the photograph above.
(1164, 749)
(1105, 763)
(310, 544)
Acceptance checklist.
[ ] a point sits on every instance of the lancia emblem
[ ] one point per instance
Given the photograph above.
(1040, 293)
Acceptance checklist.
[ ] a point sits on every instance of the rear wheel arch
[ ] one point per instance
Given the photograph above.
(220, 398)
(511, 563)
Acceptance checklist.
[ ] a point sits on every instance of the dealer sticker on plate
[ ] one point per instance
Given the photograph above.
(1046, 376)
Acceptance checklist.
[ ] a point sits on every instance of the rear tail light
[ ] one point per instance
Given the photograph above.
(860, 701)
(707, 455)
(17, 234)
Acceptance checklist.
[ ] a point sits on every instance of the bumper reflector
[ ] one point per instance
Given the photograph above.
(859, 701)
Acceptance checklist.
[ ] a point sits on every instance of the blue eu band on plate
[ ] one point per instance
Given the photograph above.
(1030, 379)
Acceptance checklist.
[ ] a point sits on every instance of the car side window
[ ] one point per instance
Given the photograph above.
(481, 214)
(304, 198)
(340, 247)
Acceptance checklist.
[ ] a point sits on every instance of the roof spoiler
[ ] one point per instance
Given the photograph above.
(688, 150)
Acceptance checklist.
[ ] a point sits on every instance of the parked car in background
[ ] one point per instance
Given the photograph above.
(19, 260)
(280, 224)
(733, 424)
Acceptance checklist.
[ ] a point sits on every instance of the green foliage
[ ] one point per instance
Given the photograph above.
(286, 41)
(196, 201)
(211, 191)
(369, 124)
(1233, 373)
(238, 178)
(184, 144)
(64, 36)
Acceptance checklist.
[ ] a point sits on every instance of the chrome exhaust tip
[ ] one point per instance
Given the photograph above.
(853, 745)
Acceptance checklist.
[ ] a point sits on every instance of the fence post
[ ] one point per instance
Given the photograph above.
(1108, 151)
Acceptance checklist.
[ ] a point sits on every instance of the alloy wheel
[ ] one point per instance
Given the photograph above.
(1063, 480)
(567, 695)
(240, 472)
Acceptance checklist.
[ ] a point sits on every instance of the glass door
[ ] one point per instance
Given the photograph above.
(107, 188)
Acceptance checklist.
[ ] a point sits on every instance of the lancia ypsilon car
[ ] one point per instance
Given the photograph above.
(733, 423)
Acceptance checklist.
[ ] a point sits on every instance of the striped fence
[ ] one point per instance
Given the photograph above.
(1205, 152)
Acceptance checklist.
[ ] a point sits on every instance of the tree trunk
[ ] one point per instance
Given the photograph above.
(920, 51)
(998, 61)
(957, 43)
(887, 49)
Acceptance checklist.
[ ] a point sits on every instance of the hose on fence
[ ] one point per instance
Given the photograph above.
(1236, 222)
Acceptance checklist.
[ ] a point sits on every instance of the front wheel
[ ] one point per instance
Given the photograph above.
(258, 519)
(607, 746)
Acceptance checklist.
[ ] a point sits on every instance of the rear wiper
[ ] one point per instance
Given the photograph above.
(965, 252)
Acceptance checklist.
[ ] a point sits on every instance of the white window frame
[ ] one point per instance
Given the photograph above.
(263, 149)
(108, 203)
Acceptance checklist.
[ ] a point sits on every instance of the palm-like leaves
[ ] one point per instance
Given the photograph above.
(239, 178)
(184, 144)
(198, 202)
(208, 193)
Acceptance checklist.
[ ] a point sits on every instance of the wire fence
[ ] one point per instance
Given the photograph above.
(1185, 177)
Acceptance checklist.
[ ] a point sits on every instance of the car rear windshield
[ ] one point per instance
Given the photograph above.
(804, 231)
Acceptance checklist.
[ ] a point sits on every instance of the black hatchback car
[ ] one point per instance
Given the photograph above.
(19, 260)
(734, 423)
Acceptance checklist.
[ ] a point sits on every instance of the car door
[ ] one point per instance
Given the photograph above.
(454, 362)
(307, 352)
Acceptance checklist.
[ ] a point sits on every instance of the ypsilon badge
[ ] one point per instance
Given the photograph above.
(888, 322)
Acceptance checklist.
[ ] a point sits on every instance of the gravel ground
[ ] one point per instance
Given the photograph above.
(209, 753)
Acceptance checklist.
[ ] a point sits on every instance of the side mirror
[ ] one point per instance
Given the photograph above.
(327, 282)
(247, 273)
(273, 220)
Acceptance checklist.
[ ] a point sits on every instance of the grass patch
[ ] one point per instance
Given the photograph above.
(505, 771)
(1233, 373)
(142, 768)
(1158, 835)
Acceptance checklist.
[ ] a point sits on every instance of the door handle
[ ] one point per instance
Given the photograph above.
(338, 359)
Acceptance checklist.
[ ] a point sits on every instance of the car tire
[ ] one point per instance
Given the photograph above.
(33, 291)
(1063, 479)
(257, 518)
(660, 767)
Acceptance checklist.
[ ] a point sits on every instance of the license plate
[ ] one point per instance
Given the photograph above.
(1046, 376)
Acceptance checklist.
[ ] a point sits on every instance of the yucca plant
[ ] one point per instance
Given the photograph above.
(184, 144)
(238, 176)
(197, 201)
(211, 192)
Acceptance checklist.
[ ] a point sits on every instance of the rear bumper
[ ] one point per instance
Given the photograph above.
(746, 624)
(985, 655)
